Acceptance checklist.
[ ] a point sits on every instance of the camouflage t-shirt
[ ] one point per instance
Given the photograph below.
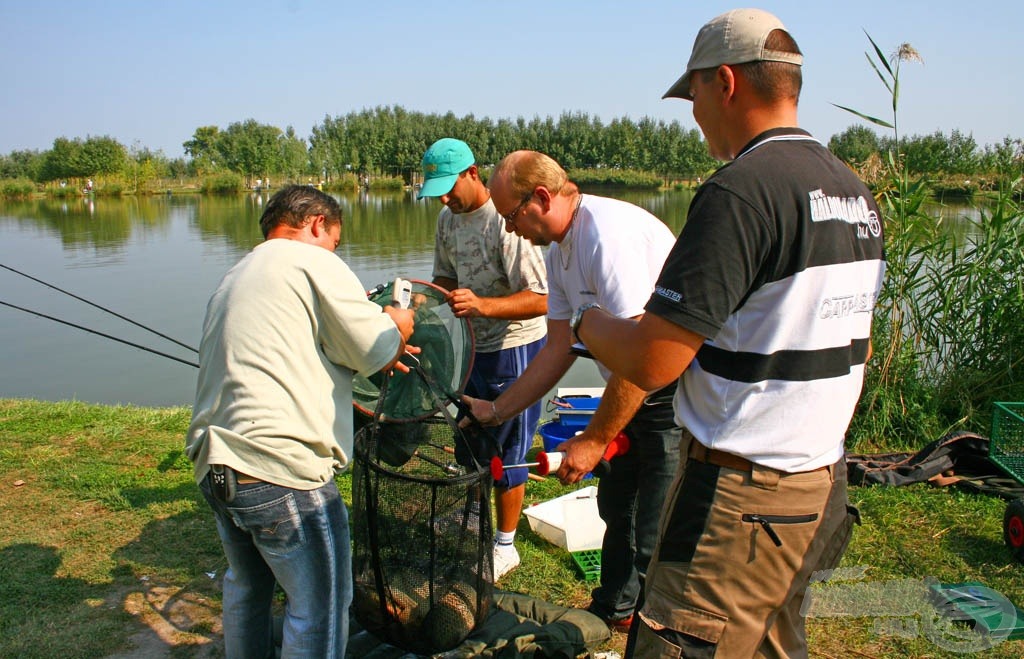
(475, 250)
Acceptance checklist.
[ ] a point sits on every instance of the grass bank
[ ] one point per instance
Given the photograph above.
(107, 550)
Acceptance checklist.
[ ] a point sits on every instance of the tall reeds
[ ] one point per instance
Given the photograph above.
(947, 333)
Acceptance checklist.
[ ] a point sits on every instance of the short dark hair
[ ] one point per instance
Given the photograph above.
(294, 204)
(774, 81)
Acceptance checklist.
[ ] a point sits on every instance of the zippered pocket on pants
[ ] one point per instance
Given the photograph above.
(766, 522)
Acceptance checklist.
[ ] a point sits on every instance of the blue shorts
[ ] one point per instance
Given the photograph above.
(492, 373)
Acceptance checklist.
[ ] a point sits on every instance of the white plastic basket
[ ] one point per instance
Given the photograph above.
(570, 521)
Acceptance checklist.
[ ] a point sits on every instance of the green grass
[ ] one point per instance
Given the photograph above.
(106, 546)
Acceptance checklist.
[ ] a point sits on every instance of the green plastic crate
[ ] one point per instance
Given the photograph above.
(1006, 447)
(588, 562)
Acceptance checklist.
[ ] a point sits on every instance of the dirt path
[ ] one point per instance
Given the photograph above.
(172, 623)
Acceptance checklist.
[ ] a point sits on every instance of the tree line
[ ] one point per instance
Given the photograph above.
(936, 156)
(390, 140)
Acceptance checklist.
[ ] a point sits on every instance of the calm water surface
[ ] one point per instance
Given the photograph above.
(156, 261)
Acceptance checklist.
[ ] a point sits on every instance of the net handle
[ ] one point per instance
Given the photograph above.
(432, 388)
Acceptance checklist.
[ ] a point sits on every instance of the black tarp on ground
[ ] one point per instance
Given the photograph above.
(958, 458)
(520, 626)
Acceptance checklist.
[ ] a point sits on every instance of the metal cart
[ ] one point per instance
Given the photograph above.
(1006, 449)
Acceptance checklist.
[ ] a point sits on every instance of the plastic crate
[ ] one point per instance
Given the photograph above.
(588, 563)
(570, 521)
(579, 412)
(1006, 447)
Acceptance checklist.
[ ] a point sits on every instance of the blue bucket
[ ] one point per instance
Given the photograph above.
(554, 433)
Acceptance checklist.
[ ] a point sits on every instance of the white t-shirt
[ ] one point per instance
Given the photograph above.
(285, 331)
(612, 255)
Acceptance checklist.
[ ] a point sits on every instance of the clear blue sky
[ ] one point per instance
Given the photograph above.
(151, 72)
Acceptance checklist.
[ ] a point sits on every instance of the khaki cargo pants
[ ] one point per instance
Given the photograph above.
(737, 547)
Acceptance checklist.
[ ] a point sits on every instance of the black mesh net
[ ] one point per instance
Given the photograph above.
(422, 533)
(422, 559)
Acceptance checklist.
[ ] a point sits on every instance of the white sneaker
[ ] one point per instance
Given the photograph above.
(506, 559)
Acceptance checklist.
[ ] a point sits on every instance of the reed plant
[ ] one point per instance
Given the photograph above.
(110, 188)
(620, 178)
(389, 183)
(55, 190)
(223, 183)
(17, 188)
(347, 182)
(945, 340)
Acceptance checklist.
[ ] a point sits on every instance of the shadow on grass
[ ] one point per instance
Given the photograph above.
(982, 552)
(31, 591)
(140, 497)
(176, 566)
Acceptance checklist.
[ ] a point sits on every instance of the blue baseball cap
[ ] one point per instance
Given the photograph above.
(442, 164)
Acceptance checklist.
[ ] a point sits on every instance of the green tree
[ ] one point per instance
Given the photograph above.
(202, 148)
(144, 167)
(103, 155)
(64, 160)
(294, 158)
(936, 153)
(250, 148)
(855, 144)
(963, 155)
(621, 144)
(1005, 159)
(22, 164)
(926, 154)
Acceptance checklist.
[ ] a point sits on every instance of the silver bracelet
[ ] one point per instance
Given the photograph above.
(494, 411)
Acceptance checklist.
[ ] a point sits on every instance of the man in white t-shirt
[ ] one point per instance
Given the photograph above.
(285, 331)
(608, 252)
(497, 280)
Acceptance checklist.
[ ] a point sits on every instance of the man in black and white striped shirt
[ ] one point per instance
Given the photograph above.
(763, 314)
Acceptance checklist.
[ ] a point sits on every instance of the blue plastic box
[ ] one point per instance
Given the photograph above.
(580, 409)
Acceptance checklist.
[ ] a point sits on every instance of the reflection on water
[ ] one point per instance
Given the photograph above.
(157, 259)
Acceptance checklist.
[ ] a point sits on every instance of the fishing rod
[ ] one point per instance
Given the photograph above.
(97, 332)
(98, 306)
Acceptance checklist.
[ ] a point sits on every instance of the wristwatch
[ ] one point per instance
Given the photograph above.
(577, 317)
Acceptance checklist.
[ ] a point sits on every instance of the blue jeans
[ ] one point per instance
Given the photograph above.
(300, 540)
(630, 499)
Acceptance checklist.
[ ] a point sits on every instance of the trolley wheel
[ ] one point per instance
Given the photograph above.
(1013, 528)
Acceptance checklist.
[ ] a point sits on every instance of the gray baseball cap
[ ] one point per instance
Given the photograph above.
(735, 37)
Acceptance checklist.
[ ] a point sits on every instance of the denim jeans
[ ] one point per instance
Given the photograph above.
(630, 499)
(295, 538)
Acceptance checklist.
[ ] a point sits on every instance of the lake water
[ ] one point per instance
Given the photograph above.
(156, 260)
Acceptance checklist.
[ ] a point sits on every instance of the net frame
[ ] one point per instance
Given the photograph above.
(434, 354)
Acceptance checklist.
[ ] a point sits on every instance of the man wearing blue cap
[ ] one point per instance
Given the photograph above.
(499, 282)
